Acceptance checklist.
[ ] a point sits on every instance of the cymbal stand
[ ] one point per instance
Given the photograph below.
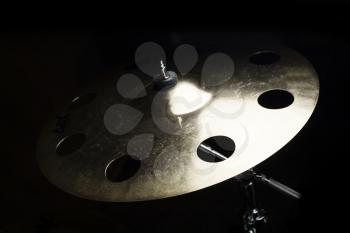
(253, 216)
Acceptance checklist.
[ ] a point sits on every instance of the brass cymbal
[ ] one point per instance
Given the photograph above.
(122, 140)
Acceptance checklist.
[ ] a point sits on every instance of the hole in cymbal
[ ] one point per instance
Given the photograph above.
(216, 149)
(82, 100)
(275, 99)
(264, 58)
(121, 169)
(70, 144)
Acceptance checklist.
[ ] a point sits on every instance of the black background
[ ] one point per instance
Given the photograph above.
(45, 56)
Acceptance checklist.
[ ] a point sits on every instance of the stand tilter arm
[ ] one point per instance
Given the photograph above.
(278, 186)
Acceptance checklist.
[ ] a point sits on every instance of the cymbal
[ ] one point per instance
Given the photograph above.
(123, 140)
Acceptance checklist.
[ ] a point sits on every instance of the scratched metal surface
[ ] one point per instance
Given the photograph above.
(217, 106)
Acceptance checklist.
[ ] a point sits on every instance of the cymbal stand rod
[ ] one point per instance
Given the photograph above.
(253, 216)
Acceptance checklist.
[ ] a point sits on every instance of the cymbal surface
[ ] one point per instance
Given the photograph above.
(154, 135)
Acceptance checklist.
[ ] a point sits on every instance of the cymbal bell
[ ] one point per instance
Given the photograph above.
(123, 140)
